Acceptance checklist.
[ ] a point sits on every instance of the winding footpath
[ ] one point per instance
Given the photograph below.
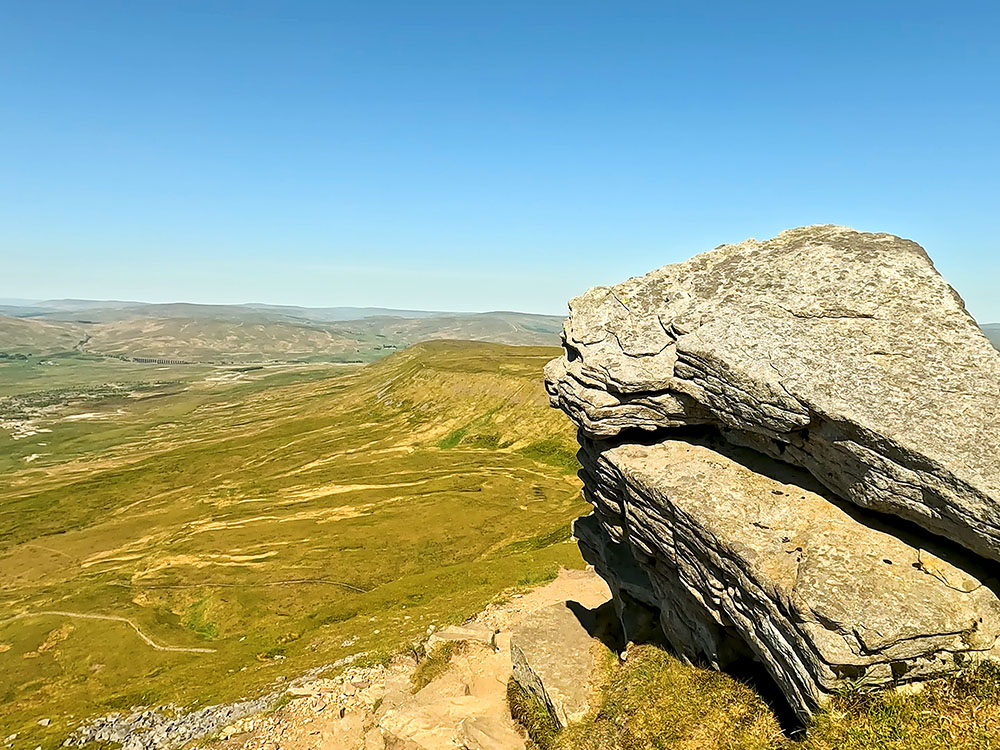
(112, 618)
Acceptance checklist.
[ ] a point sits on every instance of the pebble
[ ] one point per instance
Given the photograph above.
(166, 726)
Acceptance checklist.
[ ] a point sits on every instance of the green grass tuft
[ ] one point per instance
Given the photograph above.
(433, 666)
(529, 712)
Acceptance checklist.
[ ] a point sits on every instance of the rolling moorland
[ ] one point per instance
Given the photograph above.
(250, 333)
(244, 525)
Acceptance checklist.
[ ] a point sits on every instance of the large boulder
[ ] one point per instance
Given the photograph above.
(748, 556)
(843, 352)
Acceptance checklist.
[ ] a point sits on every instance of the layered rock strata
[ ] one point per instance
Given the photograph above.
(842, 352)
(778, 437)
(744, 555)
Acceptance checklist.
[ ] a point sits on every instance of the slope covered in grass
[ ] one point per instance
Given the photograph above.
(269, 521)
(653, 700)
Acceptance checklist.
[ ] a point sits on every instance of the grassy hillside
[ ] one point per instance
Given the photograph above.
(258, 338)
(27, 336)
(242, 333)
(276, 518)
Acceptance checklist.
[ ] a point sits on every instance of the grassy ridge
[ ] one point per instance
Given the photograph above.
(284, 518)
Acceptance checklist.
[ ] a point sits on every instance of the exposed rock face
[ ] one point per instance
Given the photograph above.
(742, 551)
(742, 413)
(842, 352)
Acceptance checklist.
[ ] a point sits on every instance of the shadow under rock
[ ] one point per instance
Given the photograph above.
(601, 623)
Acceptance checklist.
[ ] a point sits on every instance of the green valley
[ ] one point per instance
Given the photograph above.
(192, 534)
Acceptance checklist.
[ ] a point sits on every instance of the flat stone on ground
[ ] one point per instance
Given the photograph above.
(553, 654)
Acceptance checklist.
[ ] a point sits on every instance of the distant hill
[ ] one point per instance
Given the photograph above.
(252, 332)
(992, 331)
(106, 310)
(25, 336)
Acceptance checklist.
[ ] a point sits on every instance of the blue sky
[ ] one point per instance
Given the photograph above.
(479, 155)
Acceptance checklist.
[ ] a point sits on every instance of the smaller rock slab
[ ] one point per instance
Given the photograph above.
(553, 657)
(460, 634)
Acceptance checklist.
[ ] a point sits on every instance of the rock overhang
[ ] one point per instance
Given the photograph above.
(822, 333)
(839, 355)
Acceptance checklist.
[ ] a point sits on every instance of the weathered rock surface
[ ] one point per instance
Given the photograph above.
(842, 352)
(165, 727)
(460, 634)
(552, 653)
(742, 551)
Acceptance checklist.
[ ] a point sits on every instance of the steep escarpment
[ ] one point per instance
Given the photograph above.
(777, 437)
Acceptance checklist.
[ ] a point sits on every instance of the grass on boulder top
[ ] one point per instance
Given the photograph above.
(654, 701)
(432, 666)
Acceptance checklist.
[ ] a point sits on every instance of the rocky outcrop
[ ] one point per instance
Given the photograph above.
(748, 556)
(842, 352)
(742, 414)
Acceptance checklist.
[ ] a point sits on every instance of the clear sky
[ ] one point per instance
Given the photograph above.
(480, 155)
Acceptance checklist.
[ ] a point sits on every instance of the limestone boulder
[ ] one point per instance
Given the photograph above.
(842, 352)
(744, 555)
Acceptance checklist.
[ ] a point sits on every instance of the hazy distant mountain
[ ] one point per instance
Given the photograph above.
(992, 331)
(252, 332)
(105, 310)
